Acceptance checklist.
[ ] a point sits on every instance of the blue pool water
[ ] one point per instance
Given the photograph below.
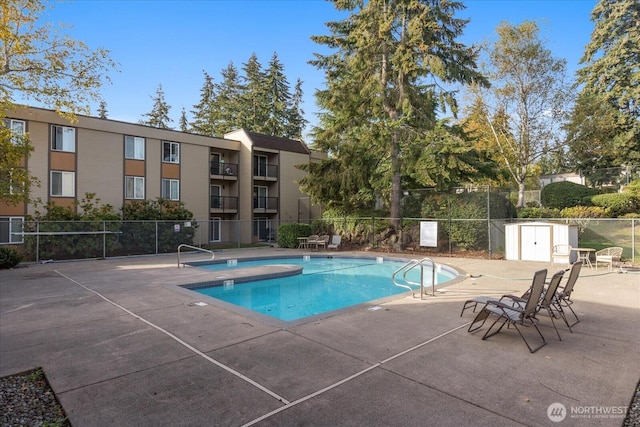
(326, 284)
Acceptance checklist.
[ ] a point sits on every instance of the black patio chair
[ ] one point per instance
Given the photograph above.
(514, 310)
(563, 295)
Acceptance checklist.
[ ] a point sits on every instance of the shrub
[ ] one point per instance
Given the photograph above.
(560, 195)
(632, 188)
(466, 206)
(9, 257)
(538, 213)
(139, 232)
(91, 217)
(288, 234)
(617, 204)
(583, 212)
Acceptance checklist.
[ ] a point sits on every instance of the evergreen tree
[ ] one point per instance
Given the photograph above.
(254, 103)
(295, 122)
(102, 110)
(386, 81)
(183, 122)
(279, 98)
(203, 115)
(606, 120)
(227, 103)
(158, 117)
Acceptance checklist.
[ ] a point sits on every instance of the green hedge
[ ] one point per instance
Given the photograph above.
(9, 258)
(560, 195)
(288, 234)
(618, 204)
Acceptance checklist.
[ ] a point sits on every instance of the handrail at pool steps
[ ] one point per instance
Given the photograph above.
(410, 265)
(184, 245)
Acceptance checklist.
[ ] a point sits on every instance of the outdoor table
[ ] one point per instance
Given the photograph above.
(302, 243)
(584, 255)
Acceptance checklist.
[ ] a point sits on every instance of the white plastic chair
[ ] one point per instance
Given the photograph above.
(335, 242)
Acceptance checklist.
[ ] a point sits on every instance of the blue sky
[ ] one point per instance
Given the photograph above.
(171, 42)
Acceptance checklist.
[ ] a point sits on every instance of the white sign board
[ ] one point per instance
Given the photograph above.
(429, 234)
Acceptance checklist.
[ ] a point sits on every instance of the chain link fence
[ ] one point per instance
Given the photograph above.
(470, 222)
(477, 237)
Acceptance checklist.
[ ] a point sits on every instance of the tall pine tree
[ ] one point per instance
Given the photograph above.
(387, 79)
(254, 107)
(203, 114)
(158, 117)
(611, 75)
(227, 102)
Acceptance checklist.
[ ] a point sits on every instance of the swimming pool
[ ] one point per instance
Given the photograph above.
(325, 284)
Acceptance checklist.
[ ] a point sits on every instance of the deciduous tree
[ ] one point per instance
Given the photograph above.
(523, 110)
(40, 65)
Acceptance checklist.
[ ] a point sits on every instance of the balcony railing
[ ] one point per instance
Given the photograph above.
(265, 171)
(224, 169)
(223, 203)
(265, 203)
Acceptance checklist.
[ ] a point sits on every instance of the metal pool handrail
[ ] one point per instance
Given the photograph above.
(184, 245)
(410, 266)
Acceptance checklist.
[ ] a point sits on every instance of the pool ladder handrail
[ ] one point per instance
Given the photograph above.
(184, 245)
(410, 265)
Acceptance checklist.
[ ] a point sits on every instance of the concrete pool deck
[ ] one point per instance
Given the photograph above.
(121, 346)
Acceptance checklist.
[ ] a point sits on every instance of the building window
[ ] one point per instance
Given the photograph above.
(216, 230)
(63, 139)
(133, 187)
(9, 225)
(17, 128)
(170, 152)
(260, 165)
(171, 189)
(134, 147)
(63, 184)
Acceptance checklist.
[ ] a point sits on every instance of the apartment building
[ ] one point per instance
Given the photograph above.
(242, 178)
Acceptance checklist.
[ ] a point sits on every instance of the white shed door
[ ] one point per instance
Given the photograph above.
(535, 243)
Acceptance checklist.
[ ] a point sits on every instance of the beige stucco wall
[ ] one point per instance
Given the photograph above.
(100, 166)
(39, 161)
(289, 189)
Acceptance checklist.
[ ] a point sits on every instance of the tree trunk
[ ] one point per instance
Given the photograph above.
(395, 183)
(521, 194)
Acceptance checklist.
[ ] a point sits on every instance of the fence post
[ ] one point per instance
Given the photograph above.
(633, 240)
(37, 241)
(489, 219)
(104, 239)
(156, 237)
(238, 232)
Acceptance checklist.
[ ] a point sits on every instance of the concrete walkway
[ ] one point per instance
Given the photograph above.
(122, 346)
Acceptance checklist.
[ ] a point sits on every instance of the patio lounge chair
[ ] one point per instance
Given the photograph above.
(483, 299)
(514, 311)
(563, 295)
(335, 242)
(548, 301)
(608, 256)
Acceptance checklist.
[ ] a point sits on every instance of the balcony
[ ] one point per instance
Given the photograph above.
(222, 204)
(265, 172)
(221, 170)
(265, 204)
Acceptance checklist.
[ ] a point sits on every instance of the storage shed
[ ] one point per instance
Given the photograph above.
(534, 241)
